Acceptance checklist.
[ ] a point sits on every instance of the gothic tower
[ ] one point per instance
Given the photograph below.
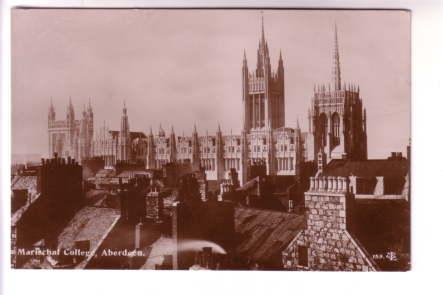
(263, 91)
(124, 136)
(337, 121)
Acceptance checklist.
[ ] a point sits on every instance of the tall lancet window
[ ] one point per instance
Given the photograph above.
(323, 129)
(336, 128)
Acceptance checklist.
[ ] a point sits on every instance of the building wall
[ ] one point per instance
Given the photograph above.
(326, 241)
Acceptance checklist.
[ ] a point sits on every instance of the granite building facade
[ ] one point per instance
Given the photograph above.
(337, 129)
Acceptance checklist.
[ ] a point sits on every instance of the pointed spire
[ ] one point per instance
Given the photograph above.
(89, 105)
(262, 28)
(298, 124)
(218, 127)
(150, 131)
(280, 58)
(195, 128)
(172, 130)
(336, 74)
(124, 107)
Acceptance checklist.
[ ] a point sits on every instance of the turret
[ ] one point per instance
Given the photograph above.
(124, 136)
(161, 131)
(280, 69)
(70, 115)
(244, 157)
(51, 112)
(195, 149)
(90, 127)
(150, 161)
(173, 146)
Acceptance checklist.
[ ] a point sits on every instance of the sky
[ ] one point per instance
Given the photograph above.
(180, 67)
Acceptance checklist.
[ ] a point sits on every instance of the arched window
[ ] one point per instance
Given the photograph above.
(323, 129)
(336, 128)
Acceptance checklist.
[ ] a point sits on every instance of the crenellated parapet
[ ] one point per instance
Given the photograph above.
(329, 184)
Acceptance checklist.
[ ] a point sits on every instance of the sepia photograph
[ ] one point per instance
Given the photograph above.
(211, 139)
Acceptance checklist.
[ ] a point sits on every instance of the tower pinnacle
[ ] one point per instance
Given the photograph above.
(336, 75)
(262, 28)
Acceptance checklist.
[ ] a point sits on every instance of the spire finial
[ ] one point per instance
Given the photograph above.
(218, 128)
(172, 129)
(336, 62)
(298, 124)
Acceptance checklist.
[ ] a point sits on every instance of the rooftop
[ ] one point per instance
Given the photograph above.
(264, 234)
(21, 182)
(368, 168)
(90, 223)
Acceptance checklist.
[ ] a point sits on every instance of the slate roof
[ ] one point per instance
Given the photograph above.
(264, 234)
(90, 223)
(24, 183)
(368, 168)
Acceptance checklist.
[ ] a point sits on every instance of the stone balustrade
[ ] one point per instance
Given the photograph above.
(333, 184)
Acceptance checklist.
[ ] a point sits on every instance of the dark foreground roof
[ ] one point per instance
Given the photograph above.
(368, 168)
(264, 234)
(383, 226)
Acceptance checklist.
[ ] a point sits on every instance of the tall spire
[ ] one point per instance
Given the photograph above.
(336, 75)
(262, 29)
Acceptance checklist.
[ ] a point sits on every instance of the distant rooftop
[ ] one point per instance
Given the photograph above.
(398, 167)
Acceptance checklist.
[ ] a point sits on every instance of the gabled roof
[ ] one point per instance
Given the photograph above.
(90, 223)
(264, 234)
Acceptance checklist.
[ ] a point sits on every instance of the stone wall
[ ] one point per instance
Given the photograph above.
(327, 241)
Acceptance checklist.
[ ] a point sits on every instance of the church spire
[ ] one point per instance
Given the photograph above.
(336, 74)
(262, 30)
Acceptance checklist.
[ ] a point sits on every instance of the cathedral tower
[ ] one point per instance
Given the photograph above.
(337, 121)
(263, 91)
